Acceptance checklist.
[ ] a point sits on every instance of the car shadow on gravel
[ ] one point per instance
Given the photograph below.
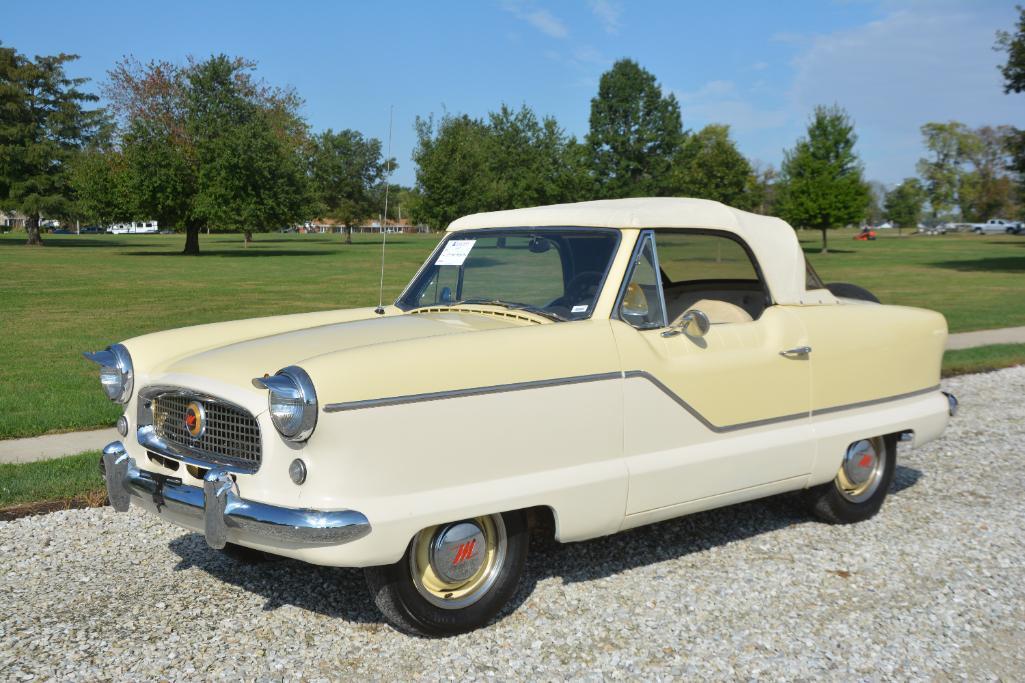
(332, 591)
(342, 592)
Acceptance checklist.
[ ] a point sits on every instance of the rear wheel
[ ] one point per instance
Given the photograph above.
(859, 488)
(453, 577)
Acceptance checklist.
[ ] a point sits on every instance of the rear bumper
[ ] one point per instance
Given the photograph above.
(220, 513)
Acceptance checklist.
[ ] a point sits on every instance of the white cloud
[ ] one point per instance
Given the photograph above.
(722, 102)
(918, 64)
(539, 18)
(608, 13)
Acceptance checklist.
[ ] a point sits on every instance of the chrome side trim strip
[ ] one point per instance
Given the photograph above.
(872, 402)
(701, 418)
(474, 391)
(598, 377)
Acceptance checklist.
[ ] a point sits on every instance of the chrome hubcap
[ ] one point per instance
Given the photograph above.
(862, 470)
(458, 551)
(454, 565)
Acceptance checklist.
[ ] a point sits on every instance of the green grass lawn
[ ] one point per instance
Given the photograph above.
(977, 281)
(64, 479)
(982, 359)
(84, 292)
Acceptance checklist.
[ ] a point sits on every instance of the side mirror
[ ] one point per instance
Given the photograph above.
(693, 323)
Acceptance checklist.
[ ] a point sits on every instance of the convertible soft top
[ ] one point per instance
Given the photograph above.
(773, 241)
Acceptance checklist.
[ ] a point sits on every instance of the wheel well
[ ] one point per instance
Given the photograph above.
(542, 522)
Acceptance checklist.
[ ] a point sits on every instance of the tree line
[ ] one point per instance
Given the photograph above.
(208, 145)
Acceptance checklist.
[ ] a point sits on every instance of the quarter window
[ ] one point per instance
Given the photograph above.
(641, 302)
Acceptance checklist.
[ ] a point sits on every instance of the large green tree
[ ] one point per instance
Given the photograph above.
(821, 185)
(510, 159)
(44, 122)
(710, 166)
(986, 190)
(761, 189)
(903, 204)
(1013, 71)
(207, 145)
(1013, 43)
(942, 170)
(967, 169)
(346, 167)
(635, 134)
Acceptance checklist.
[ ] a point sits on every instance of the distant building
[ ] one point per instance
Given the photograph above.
(12, 219)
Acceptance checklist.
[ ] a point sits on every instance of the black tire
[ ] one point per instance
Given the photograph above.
(829, 504)
(848, 291)
(402, 605)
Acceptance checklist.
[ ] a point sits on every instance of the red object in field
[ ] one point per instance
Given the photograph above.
(866, 234)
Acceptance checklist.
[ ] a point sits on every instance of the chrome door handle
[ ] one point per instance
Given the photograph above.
(796, 351)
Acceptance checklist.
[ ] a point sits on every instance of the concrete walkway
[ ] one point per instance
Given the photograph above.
(52, 446)
(59, 445)
(969, 340)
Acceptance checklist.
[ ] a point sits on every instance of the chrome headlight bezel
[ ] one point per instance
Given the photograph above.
(291, 385)
(115, 361)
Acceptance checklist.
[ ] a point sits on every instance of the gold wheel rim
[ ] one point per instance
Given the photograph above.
(861, 472)
(455, 594)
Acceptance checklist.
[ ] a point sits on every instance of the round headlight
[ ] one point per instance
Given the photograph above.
(116, 374)
(292, 402)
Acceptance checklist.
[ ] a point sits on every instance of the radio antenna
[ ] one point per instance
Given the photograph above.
(384, 221)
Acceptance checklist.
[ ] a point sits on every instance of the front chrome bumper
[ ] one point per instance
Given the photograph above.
(952, 403)
(220, 513)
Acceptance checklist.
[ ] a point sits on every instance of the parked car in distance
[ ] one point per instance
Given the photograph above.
(997, 225)
(90, 230)
(594, 367)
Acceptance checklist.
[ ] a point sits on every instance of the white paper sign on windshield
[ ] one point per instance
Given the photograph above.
(455, 252)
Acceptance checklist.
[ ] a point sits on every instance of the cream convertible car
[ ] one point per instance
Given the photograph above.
(606, 364)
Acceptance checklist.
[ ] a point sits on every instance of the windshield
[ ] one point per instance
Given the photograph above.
(556, 272)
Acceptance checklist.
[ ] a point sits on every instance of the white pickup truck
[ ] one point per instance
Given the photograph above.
(997, 225)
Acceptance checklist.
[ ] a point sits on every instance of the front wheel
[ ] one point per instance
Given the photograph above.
(453, 577)
(859, 488)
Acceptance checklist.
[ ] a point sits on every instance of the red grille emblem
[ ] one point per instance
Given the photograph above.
(465, 552)
(194, 419)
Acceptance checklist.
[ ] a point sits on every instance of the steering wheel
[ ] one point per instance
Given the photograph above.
(582, 286)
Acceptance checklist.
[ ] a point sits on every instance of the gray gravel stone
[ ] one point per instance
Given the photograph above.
(933, 587)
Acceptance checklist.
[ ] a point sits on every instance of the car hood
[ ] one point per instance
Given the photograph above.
(237, 363)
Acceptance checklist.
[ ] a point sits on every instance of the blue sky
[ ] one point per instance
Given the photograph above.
(758, 66)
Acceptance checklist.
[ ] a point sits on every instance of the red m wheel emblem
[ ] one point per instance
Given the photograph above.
(465, 552)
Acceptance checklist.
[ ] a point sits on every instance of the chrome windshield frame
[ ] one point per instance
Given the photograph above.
(616, 233)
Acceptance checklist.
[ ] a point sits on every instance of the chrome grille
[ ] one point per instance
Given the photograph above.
(231, 435)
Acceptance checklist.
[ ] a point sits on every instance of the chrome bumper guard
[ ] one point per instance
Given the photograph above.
(220, 513)
(951, 403)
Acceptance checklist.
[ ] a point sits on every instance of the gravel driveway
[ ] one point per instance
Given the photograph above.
(932, 587)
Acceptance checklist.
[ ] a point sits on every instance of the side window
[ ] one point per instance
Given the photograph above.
(641, 303)
(709, 272)
(697, 256)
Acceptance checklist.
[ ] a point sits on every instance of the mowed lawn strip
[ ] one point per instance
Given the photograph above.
(982, 359)
(76, 477)
(84, 292)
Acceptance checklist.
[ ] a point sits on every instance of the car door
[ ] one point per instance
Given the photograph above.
(713, 414)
